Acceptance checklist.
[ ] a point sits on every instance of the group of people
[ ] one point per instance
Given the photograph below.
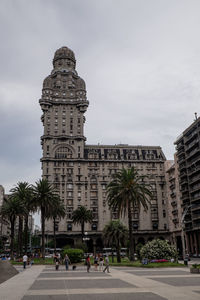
(98, 262)
(57, 260)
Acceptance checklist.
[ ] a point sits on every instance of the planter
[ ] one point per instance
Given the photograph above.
(195, 270)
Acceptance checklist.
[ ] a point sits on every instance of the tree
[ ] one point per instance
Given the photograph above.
(23, 192)
(126, 192)
(58, 212)
(158, 249)
(115, 234)
(10, 209)
(46, 198)
(81, 216)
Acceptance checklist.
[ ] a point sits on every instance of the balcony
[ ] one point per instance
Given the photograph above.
(193, 170)
(187, 147)
(175, 211)
(193, 152)
(173, 194)
(189, 137)
(195, 216)
(173, 203)
(181, 159)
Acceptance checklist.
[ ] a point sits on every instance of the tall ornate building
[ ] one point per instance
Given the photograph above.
(81, 172)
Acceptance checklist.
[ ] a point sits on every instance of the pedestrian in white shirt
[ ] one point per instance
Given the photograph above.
(25, 258)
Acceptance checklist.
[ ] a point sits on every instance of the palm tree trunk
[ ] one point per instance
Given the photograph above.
(26, 233)
(82, 230)
(12, 225)
(20, 237)
(54, 234)
(43, 230)
(118, 251)
(131, 253)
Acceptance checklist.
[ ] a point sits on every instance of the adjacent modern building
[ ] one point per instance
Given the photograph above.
(188, 155)
(81, 172)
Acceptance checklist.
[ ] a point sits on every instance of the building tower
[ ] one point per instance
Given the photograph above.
(81, 172)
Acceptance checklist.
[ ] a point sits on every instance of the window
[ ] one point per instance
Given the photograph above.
(69, 227)
(93, 186)
(93, 194)
(94, 227)
(69, 194)
(69, 202)
(164, 213)
(69, 186)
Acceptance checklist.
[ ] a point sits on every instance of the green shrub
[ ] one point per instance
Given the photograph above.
(158, 249)
(75, 255)
(82, 246)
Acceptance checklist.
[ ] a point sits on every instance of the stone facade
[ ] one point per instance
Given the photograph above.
(174, 204)
(81, 172)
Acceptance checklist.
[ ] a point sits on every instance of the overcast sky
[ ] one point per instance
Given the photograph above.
(140, 60)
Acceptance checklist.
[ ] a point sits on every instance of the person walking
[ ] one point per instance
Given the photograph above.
(67, 262)
(95, 263)
(25, 258)
(107, 264)
(88, 263)
(57, 263)
(101, 263)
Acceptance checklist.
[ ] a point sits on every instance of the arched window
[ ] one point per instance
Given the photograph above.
(63, 153)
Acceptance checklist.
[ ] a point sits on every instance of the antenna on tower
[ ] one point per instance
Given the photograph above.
(195, 116)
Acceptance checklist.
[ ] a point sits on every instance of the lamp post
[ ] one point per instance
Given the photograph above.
(86, 238)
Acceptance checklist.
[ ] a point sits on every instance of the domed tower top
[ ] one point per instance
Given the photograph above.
(64, 57)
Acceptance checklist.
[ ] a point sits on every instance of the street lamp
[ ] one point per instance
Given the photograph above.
(86, 238)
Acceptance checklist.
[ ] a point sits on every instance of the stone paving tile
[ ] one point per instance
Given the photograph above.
(48, 284)
(146, 273)
(176, 281)
(101, 283)
(72, 274)
(132, 296)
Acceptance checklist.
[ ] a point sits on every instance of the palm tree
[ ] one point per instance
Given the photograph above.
(10, 209)
(23, 192)
(115, 234)
(58, 212)
(81, 216)
(126, 192)
(46, 197)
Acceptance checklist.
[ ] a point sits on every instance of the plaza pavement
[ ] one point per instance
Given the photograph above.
(44, 283)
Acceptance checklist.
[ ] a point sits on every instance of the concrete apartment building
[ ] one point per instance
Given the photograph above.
(81, 172)
(174, 204)
(188, 155)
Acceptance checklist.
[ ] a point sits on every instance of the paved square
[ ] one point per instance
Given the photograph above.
(41, 283)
